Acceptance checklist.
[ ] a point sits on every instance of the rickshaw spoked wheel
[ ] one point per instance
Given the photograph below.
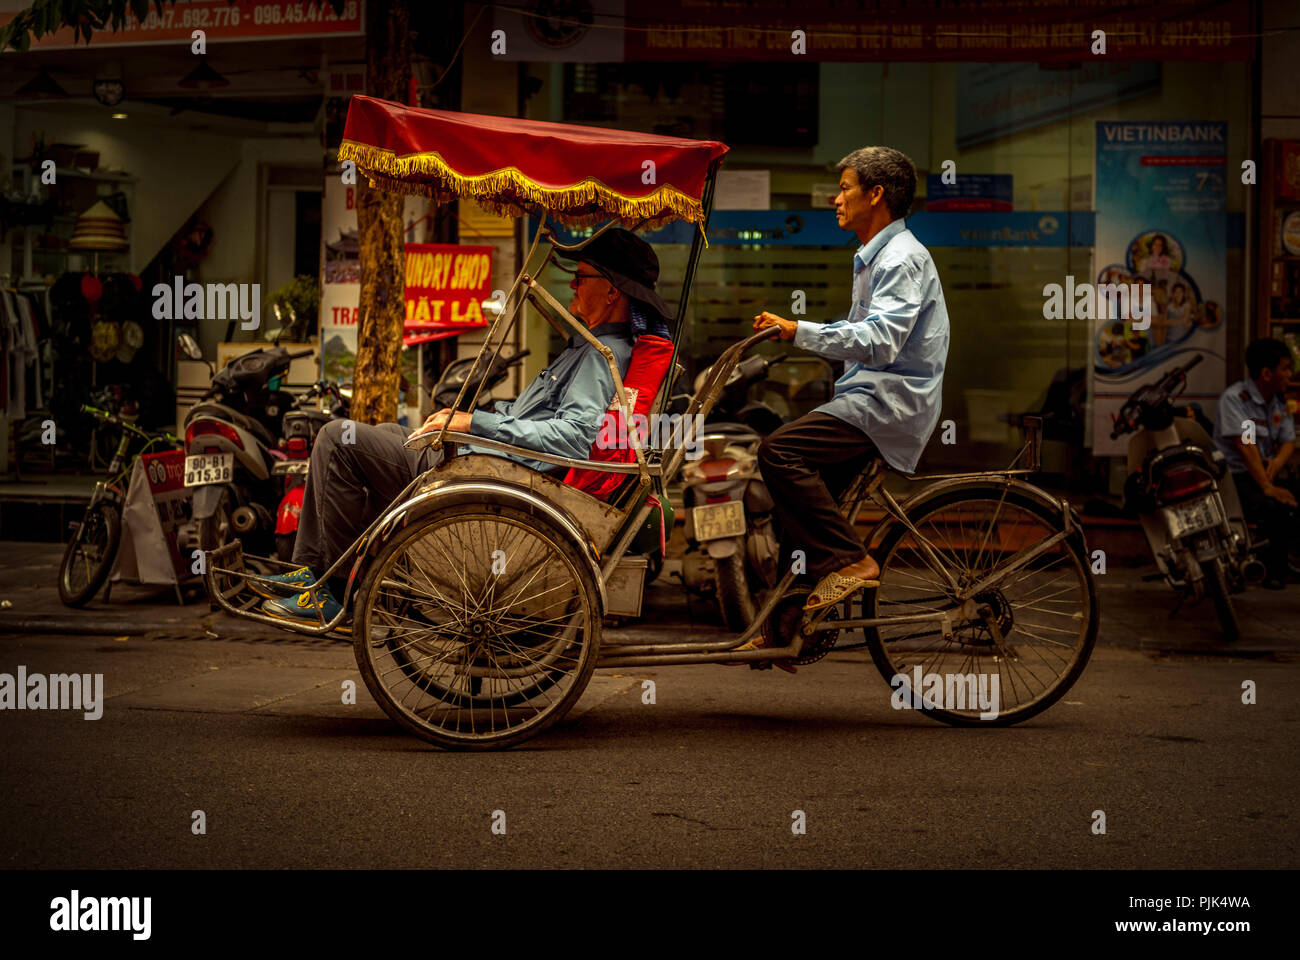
(478, 626)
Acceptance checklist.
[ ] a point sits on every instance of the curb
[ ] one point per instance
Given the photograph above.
(90, 627)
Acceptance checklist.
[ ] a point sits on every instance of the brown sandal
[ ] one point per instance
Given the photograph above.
(833, 588)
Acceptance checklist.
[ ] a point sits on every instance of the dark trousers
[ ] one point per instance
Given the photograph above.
(1274, 522)
(807, 464)
(350, 484)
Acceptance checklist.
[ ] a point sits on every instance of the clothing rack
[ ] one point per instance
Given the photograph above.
(26, 358)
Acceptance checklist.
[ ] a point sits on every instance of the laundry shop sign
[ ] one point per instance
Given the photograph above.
(446, 284)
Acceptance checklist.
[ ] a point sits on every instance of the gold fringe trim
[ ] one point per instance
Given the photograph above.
(508, 192)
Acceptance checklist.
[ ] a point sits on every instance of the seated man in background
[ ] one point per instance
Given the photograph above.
(1255, 467)
(560, 413)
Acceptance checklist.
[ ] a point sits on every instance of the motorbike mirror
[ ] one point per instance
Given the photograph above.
(189, 347)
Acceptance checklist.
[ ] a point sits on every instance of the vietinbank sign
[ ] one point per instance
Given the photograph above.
(1183, 133)
(1161, 225)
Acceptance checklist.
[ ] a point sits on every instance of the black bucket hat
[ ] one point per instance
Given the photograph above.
(627, 262)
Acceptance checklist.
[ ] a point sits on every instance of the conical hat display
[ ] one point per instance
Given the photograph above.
(99, 228)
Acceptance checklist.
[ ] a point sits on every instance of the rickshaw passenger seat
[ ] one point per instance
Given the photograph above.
(645, 373)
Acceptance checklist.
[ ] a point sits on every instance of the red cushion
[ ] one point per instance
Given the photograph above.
(645, 374)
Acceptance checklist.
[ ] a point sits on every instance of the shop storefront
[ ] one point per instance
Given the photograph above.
(1011, 126)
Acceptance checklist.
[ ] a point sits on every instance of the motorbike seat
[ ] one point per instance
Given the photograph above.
(243, 421)
(734, 432)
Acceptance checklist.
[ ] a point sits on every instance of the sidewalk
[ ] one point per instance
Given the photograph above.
(1134, 614)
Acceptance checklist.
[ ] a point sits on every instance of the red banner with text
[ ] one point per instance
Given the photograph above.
(446, 285)
(990, 30)
(219, 20)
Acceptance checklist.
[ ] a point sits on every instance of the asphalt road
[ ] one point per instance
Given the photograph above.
(256, 736)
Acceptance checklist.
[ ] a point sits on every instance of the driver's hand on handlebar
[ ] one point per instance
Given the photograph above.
(765, 320)
(460, 421)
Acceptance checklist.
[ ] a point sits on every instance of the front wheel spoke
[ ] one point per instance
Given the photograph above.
(457, 619)
(542, 689)
(428, 660)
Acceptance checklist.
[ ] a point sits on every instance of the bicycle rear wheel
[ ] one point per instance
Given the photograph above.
(1035, 628)
(88, 560)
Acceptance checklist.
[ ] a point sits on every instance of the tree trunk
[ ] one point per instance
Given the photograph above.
(380, 231)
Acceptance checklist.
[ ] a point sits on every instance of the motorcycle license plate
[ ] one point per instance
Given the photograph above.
(713, 521)
(1185, 518)
(204, 468)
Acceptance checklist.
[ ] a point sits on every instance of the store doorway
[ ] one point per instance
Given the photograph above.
(291, 224)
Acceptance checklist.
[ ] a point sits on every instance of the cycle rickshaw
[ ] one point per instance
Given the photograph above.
(477, 598)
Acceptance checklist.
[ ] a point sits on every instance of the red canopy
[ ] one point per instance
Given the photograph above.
(578, 175)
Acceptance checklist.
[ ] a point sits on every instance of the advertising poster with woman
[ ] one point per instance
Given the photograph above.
(1162, 222)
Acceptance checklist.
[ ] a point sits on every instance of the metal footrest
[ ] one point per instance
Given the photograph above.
(229, 582)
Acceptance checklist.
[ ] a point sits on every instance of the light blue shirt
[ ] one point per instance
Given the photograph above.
(1273, 424)
(896, 342)
(561, 411)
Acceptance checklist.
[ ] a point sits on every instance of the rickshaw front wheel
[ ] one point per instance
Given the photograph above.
(478, 626)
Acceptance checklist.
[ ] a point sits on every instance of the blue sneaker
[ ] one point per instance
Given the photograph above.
(302, 609)
(290, 583)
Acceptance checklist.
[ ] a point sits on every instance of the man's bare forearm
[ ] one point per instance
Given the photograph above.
(1254, 464)
(1280, 459)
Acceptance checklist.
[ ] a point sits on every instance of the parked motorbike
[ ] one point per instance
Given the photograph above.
(733, 545)
(301, 424)
(231, 441)
(1180, 487)
(457, 372)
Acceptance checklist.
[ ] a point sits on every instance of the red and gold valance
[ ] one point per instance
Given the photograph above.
(579, 175)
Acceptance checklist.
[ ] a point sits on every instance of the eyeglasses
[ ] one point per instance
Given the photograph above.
(579, 276)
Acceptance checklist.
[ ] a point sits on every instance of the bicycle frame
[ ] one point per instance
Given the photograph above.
(868, 486)
(119, 468)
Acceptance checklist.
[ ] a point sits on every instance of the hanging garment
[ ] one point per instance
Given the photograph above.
(19, 357)
(31, 349)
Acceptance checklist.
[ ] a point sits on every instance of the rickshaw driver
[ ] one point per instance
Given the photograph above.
(887, 402)
(560, 413)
